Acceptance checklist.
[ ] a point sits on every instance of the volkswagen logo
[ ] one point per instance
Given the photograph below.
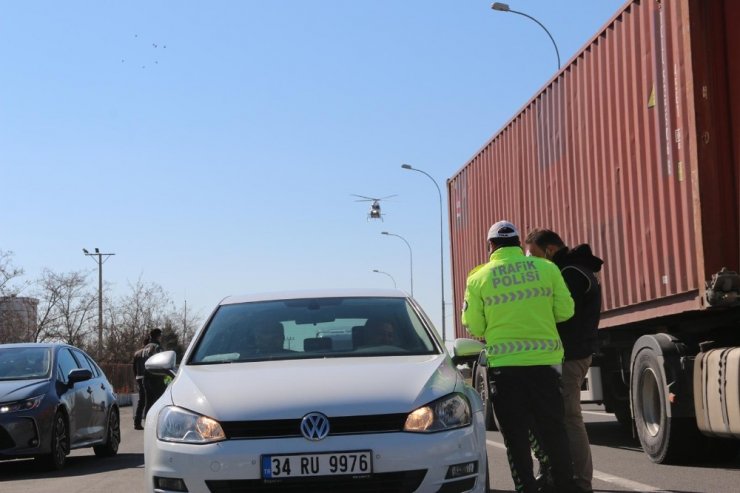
(315, 426)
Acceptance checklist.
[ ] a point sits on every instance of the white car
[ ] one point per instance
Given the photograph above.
(325, 391)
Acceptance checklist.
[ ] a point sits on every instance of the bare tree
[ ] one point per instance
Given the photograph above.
(130, 317)
(16, 314)
(67, 308)
(9, 273)
(184, 323)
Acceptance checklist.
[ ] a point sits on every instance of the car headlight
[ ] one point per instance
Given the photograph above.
(179, 425)
(22, 405)
(447, 413)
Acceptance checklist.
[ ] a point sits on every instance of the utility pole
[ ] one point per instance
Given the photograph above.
(101, 257)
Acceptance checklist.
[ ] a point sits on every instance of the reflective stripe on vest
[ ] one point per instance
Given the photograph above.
(516, 295)
(524, 345)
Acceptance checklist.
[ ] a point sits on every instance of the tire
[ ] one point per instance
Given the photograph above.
(481, 385)
(664, 439)
(112, 436)
(488, 477)
(57, 457)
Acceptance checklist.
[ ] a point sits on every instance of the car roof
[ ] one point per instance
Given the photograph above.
(35, 344)
(315, 293)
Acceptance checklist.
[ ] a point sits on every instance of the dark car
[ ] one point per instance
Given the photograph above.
(54, 398)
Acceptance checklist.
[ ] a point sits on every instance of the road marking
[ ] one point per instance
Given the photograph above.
(625, 483)
(597, 413)
(607, 478)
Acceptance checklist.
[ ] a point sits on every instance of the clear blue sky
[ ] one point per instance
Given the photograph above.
(224, 163)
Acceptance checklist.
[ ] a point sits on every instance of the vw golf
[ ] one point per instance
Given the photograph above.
(315, 391)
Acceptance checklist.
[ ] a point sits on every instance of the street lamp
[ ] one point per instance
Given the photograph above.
(441, 244)
(99, 261)
(503, 7)
(381, 272)
(411, 258)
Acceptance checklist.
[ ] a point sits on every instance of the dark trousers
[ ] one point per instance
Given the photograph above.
(527, 397)
(154, 386)
(142, 402)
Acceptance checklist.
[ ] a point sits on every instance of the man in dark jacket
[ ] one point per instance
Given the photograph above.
(138, 365)
(153, 384)
(579, 335)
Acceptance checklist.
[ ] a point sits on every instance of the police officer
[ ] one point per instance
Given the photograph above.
(514, 302)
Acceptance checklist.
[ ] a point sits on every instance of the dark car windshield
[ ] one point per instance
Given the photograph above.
(24, 363)
(313, 328)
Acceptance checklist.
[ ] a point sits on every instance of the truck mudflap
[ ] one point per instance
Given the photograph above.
(717, 392)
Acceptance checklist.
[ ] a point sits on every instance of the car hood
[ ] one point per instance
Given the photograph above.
(13, 390)
(334, 386)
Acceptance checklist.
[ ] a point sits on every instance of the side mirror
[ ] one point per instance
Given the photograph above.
(78, 375)
(466, 351)
(162, 364)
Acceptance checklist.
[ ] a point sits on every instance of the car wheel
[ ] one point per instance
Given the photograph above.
(481, 385)
(112, 437)
(488, 476)
(56, 459)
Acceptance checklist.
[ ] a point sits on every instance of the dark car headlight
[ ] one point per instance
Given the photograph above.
(22, 405)
(180, 425)
(447, 413)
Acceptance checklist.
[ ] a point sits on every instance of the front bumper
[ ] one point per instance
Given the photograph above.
(414, 462)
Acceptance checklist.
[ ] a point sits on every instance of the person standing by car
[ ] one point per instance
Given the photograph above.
(514, 302)
(139, 370)
(153, 384)
(579, 335)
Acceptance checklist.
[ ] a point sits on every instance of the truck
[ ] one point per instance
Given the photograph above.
(634, 147)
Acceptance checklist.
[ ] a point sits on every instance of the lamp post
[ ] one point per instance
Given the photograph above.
(441, 244)
(99, 261)
(411, 258)
(381, 272)
(503, 7)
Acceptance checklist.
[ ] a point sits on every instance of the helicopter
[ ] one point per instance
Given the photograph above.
(374, 212)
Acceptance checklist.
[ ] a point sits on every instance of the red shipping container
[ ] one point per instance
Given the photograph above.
(633, 147)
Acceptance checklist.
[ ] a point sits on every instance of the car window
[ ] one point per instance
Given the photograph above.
(24, 363)
(82, 361)
(312, 328)
(65, 364)
(96, 369)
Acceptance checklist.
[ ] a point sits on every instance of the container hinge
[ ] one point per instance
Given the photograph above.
(724, 288)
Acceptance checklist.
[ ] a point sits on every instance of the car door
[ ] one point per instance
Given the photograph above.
(96, 388)
(75, 397)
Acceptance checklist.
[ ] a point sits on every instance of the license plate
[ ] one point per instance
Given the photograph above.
(329, 464)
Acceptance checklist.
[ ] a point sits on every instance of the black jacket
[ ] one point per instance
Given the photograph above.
(578, 266)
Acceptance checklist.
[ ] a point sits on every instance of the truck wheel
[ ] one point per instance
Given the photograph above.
(664, 439)
(481, 385)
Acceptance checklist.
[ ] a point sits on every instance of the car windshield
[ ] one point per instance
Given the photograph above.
(24, 363)
(312, 328)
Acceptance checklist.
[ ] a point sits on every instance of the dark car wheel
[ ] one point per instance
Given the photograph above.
(480, 379)
(112, 437)
(56, 459)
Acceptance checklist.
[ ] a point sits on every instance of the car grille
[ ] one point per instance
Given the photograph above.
(5, 441)
(340, 425)
(390, 482)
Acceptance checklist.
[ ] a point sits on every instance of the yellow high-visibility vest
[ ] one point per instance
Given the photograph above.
(514, 302)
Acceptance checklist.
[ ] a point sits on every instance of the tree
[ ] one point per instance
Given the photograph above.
(66, 311)
(16, 314)
(132, 316)
(8, 274)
